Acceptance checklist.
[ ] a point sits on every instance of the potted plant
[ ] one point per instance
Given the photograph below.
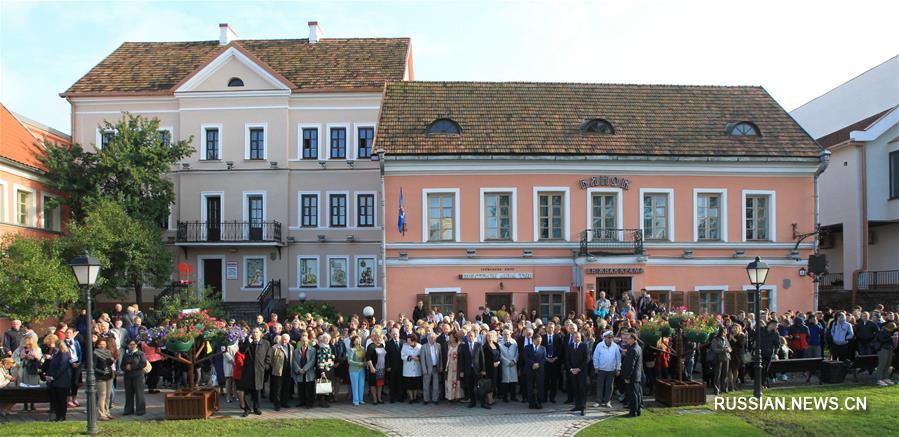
(652, 330)
(699, 329)
(155, 336)
(677, 317)
(181, 338)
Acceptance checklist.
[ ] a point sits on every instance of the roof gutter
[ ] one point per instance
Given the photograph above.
(569, 158)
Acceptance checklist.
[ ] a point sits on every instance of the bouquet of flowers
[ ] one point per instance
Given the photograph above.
(678, 315)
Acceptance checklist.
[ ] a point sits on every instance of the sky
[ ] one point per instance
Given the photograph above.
(796, 49)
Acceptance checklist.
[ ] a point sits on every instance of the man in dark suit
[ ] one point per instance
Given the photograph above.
(576, 359)
(523, 342)
(418, 313)
(394, 347)
(632, 371)
(535, 368)
(566, 378)
(471, 369)
(443, 341)
(554, 351)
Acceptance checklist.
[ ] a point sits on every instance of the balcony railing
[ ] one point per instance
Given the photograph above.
(888, 279)
(612, 241)
(229, 232)
(831, 281)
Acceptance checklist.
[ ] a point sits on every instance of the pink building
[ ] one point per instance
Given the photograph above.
(533, 195)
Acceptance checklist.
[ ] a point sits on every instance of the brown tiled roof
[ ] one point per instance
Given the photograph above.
(332, 63)
(838, 136)
(545, 118)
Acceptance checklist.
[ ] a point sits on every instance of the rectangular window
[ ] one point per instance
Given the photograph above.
(551, 305)
(894, 174)
(497, 216)
(308, 271)
(710, 301)
(257, 143)
(366, 137)
(106, 137)
(655, 216)
(212, 144)
(254, 272)
(2, 203)
(338, 143)
(337, 205)
(765, 296)
(310, 143)
(708, 216)
(445, 302)
(605, 216)
(441, 217)
(309, 210)
(365, 272)
(551, 216)
(51, 215)
(365, 210)
(757, 213)
(662, 297)
(337, 272)
(23, 208)
(256, 216)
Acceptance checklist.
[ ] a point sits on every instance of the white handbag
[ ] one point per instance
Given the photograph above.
(322, 386)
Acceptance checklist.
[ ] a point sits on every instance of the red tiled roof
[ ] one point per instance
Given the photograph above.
(841, 135)
(332, 63)
(17, 143)
(546, 118)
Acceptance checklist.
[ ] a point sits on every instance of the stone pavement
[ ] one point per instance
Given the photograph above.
(400, 419)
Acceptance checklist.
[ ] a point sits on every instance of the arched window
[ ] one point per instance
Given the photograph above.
(742, 129)
(235, 81)
(444, 126)
(598, 126)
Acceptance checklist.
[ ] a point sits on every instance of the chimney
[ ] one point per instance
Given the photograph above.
(226, 34)
(315, 32)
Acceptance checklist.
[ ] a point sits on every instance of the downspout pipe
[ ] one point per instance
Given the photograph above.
(822, 165)
(863, 175)
(383, 238)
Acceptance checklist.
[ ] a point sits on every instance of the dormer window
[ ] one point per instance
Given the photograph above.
(444, 126)
(743, 129)
(235, 81)
(598, 126)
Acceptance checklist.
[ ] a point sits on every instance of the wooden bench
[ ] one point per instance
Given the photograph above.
(810, 365)
(862, 362)
(21, 395)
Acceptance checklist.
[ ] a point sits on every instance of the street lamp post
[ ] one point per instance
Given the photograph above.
(758, 272)
(86, 268)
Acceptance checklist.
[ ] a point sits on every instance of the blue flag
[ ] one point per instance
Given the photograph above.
(401, 219)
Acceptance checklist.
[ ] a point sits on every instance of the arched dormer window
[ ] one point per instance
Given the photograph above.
(743, 129)
(235, 81)
(598, 126)
(444, 126)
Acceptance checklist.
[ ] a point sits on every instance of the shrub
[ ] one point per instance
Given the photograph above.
(317, 309)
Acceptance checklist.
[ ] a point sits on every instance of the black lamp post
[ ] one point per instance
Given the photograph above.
(86, 268)
(758, 272)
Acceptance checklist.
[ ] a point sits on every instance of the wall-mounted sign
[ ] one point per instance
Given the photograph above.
(615, 271)
(605, 181)
(231, 270)
(521, 275)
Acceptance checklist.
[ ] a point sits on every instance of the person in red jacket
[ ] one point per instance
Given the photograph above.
(236, 374)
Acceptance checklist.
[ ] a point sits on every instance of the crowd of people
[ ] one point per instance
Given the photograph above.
(504, 355)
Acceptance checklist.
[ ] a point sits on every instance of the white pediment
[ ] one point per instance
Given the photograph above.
(232, 63)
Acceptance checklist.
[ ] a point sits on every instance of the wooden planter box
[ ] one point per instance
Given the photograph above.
(674, 393)
(191, 404)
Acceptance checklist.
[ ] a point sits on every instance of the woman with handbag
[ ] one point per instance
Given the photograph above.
(492, 364)
(103, 372)
(28, 357)
(155, 359)
(133, 364)
(411, 355)
(739, 356)
(375, 363)
(324, 365)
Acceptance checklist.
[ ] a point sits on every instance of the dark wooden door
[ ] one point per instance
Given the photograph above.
(614, 287)
(496, 301)
(255, 208)
(212, 277)
(213, 218)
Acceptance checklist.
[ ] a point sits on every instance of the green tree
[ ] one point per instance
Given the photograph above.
(131, 169)
(130, 251)
(34, 282)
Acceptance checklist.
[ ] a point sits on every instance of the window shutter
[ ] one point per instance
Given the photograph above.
(743, 300)
(677, 299)
(765, 298)
(693, 301)
(730, 302)
(533, 303)
(461, 302)
(571, 301)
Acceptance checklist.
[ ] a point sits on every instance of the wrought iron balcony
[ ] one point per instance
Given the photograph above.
(831, 281)
(878, 280)
(229, 232)
(601, 241)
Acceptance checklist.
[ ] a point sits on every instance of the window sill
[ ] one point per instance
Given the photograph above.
(210, 160)
(256, 289)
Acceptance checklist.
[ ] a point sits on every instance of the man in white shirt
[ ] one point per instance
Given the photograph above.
(607, 361)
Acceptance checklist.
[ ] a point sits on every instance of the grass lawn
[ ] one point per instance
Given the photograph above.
(214, 427)
(882, 414)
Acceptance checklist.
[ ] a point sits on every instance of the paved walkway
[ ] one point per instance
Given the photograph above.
(400, 419)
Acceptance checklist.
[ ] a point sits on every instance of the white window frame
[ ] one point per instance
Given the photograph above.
(201, 275)
(4, 202)
(566, 206)
(356, 126)
(671, 210)
(318, 204)
(347, 212)
(204, 214)
(99, 144)
(349, 276)
(246, 211)
(722, 217)
(457, 230)
(772, 213)
(246, 135)
(31, 214)
(349, 141)
(772, 294)
(719, 288)
(318, 277)
(56, 213)
(300, 127)
(356, 195)
(514, 211)
(374, 271)
(203, 128)
(457, 290)
(619, 213)
(244, 277)
(170, 130)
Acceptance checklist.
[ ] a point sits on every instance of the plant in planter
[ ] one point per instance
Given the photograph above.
(653, 330)
(155, 336)
(677, 317)
(181, 338)
(699, 329)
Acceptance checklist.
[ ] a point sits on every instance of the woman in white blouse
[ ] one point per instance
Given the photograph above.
(411, 355)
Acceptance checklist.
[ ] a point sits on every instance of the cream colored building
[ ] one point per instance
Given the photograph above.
(282, 185)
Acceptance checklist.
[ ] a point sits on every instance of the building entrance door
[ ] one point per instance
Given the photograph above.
(614, 287)
(212, 277)
(496, 301)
